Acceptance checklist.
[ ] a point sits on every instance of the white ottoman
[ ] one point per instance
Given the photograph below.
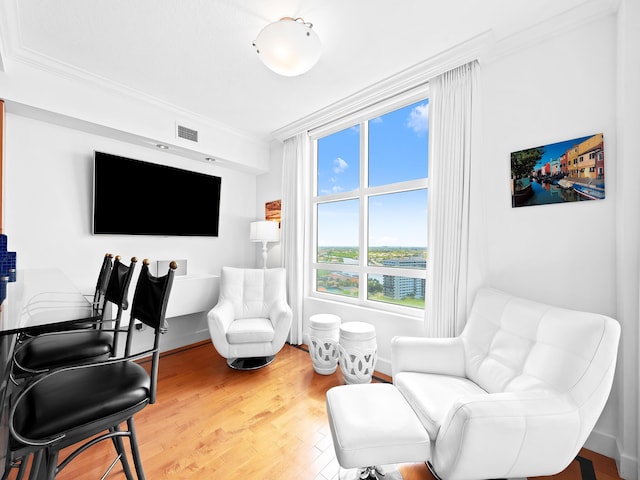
(324, 334)
(358, 352)
(373, 425)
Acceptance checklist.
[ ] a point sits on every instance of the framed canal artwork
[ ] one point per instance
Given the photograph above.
(568, 171)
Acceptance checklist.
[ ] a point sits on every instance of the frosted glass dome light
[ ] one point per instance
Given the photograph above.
(289, 46)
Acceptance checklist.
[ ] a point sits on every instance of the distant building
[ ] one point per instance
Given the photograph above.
(401, 287)
(564, 164)
(572, 161)
(591, 158)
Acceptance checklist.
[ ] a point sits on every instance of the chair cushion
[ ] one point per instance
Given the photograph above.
(372, 424)
(72, 399)
(250, 330)
(50, 351)
(431, 395)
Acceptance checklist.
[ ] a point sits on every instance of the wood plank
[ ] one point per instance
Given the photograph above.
(214, 422)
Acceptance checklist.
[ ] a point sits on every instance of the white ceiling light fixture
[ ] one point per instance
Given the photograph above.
(289, 46)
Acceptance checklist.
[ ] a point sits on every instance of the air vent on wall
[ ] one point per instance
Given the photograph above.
(187, 133)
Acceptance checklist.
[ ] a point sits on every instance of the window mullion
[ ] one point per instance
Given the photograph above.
(313, 213)
(364, 208)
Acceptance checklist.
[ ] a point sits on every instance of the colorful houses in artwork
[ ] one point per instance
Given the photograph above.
(583, 160)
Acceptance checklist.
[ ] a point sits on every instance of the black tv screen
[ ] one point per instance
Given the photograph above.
(132, 197)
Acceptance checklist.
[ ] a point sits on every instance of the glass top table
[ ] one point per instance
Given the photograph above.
(41, 297)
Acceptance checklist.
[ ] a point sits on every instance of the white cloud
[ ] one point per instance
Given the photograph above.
(419, 119)
(339, 165)
(333, 189)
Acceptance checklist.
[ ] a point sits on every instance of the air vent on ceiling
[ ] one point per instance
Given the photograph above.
(187, 133)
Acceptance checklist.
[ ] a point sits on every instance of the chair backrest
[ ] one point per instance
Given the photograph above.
(514, 344)
(149, 306)
(151, 297)
(103, 281)
(117, 293)
(118, 286)
(251, 291)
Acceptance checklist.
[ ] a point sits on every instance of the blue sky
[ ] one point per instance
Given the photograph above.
(554, 150)
(398, 151)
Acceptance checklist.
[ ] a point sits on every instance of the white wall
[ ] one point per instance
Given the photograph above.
(562, 254)
(48, 192)
(558, 90)
(269, 188)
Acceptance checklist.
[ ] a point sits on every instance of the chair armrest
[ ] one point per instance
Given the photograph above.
(281, 317)
(280, 310)
(219, 319)
(506, 435)
(222, 313)
(443, 356)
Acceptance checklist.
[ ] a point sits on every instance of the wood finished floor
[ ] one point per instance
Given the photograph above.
(214, 422)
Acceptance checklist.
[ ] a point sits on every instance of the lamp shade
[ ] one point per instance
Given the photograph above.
(264, 231)
(289, 46)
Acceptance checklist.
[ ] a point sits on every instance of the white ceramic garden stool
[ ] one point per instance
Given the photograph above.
(324, 334)
(358, 352)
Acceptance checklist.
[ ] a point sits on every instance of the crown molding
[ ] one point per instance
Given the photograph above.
(485, 48)
(515, 38)
(15, 52)
(72, 73)
(408, 79)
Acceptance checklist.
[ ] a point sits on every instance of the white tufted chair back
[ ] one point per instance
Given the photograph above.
(513, 344)
(252, 292)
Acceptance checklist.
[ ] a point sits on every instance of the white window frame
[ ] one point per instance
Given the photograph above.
(362, 194)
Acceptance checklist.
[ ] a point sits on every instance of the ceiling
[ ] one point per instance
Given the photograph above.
(196, 55)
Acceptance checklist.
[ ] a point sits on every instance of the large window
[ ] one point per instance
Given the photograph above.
(370, 210)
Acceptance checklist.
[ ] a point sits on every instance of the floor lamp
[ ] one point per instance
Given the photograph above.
(264, 231)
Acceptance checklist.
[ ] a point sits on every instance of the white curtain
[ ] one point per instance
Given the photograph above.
(295, 181)
(450, 117)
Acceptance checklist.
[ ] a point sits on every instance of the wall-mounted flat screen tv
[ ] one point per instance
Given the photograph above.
(132, 197)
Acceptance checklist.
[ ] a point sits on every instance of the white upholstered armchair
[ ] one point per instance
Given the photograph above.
(516, 394)
(250, 323)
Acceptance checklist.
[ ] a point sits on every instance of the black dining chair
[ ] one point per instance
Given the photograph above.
(83, 405)
(45, 351)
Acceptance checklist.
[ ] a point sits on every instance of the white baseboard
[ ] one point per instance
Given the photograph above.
(628, 466)
(607, 445)
(602, 443)
(176, 341)
(383, 365)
